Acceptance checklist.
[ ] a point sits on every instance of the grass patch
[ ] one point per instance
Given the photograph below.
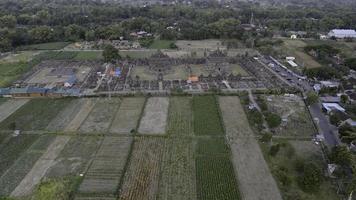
(23, 56)
(136, 53)
(89, 55)
(35, 115)
(9, 72)
(216, 178)
(206, 116)
(162, 44)
(44, 46)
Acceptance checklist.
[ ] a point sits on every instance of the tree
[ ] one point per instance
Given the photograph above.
(344, 98)
(274, 149)
(8, 21)
(341, 155)
(266, 137)
(110, 53)
(42, 34)
(312, 98)
(335, 119)
(311, 178)
(273, 120)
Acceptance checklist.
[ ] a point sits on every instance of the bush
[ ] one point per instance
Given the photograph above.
(274, 149)
(282, 175)
(266, 137)
(273, 120)
(311, 178)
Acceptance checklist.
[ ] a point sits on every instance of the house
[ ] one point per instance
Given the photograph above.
(323, 37)
(330, 99)
(36, 92)
(19, 92)
(293, 36)
(342, 33)
(70, 81)
(351, 122)
(328, 107)
(5, 92)
(329, 84)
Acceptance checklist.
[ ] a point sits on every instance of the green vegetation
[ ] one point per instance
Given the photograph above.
(110, 53)
(206, 116)
(273, 119)
(11, 71)
(88, 55)
(36, 114)
(180, 116)
(44, 46)
(312, 98)
(162, 44)
(212, 146)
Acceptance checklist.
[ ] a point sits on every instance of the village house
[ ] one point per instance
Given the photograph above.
(342, 33)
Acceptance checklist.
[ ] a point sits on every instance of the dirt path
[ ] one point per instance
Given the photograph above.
(255, 180)
(81, 116)
(10, 106)
(40, 168)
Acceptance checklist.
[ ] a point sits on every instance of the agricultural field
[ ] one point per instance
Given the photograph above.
(81, 115)
(10, 106)
(206, 116)
(24, 163)
(180, 116)
(215, 174)
(103, 176)
(23, 56)
(201, 45)
(296, 121)
(141, 179)
(161, 44)
(10, 72)
(247, 157)
(154, 117)
(145, 53)
(128, 115)
(101, 116)
(295, 48)
(178, 170)
(34, 115)
(283, 166)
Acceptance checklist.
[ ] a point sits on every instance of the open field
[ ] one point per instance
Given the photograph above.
(178, 170)
(285, 160)
(296, 121)
(103, 175)
(143, 73)
(206, 116)
(347, 48)
(180, 116)
(177, 73)
(137, 53)
(82, 114)
(295, 48)
(88, 55)
(161, 44)
(214, 170)
(10, 72)
(155, 116)
(14, 175)
(142, 176)
(200, 44)
(100, 117)
(40, 168)
(75, 156)
(23, 56)
(248, 160)
(44, 46)
(35, 115)
(10, 106)
(127, 117)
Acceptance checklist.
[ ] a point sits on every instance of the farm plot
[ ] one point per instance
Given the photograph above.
(296, 120)
(40, 168)
(34, 115)
(206, 116)
(61, 121)
(155, 116)
(75, 156)
(14, 175)
(100, 116)
(82, 114)
(142, 176)
(106, 170)
(214, 170)
(178, 171)
(284, 166)
(248, 160)
(10, 106)
(180, 116)
(200, 44)
(127, 117)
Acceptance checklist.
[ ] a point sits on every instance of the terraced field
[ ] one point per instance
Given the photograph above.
(127, 117)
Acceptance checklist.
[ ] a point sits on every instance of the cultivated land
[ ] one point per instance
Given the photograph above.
(180, 116)
(19, 57)
(254, 178)
(35, 115)
(82, 114)
(104, 173)
(127, 117)
(100, 117)
(155, 116)
(142, 176)
(206, 116)
(296, 119)
(10, 106)
(10, 72)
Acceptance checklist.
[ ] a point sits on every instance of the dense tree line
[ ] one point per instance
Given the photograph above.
(29, 22)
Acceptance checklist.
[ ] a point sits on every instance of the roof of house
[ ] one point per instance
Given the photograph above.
(71, 80)
(18, 90)
(343, 32)
(36, 90)
(330, 99)
(333, 106)
(4, 91)
(351, 122)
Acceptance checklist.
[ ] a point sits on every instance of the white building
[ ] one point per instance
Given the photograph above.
(332, 106)
(342, 33)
